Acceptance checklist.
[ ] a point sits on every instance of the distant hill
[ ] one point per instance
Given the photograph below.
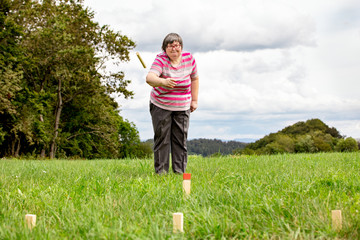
(207, 147)
(310, 136)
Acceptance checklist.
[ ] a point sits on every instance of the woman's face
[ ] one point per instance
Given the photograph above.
(173, 50)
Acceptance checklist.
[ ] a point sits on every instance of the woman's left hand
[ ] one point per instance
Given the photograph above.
(193, 106)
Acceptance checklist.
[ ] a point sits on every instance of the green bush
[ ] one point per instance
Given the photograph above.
(347, 145)
(304, 144)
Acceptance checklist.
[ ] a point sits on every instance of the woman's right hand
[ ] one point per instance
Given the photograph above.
(155, 81)
(168, 82)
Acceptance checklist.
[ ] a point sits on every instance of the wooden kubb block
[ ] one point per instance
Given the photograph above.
(187, 183)
(178, 222)
(30, 220)
(336, 219)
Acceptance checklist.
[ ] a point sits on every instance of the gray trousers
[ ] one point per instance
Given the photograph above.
(170, 133)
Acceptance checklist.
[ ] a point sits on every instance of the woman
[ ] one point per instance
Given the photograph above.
(175, 82)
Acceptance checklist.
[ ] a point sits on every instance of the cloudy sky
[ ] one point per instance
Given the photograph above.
(263, 65)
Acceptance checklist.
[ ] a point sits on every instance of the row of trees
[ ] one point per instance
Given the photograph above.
(208, 147)
(302, 137)
(55, 87)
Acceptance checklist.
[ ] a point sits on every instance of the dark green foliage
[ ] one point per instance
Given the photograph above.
(302, 137)
(144, 150)
(130, 142)
(54, 88)
(347, 145)
(305, 143)
(311, 126)
(11, 57)
(208, 147)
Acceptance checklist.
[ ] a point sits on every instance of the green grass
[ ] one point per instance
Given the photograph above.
(254, 197)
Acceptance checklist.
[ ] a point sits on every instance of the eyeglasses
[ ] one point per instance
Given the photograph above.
(176, 46)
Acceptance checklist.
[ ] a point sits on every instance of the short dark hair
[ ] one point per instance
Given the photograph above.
(170, 38)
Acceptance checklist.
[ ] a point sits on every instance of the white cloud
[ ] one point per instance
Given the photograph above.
(263, 64)
(253, 86)
(211, 25)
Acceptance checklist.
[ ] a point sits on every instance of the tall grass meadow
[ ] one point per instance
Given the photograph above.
(234, 197)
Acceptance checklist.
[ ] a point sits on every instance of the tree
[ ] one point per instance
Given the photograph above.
(91, 131)
(64, 70)
(282, 144)
(347, 145)
(207, 147)
(66, 45)
(129, 139)
(305, 143)
(10, 72)
(323, 141)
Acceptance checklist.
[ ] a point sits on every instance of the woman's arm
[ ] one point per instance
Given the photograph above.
(155, 81)
(194, 93)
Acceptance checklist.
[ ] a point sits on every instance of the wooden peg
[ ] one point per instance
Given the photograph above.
(30, 220)
(139, 57)
(187, 183)
(178, 222)
(336, 219)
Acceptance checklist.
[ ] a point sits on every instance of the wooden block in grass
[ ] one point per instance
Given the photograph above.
(187, 183)
(30, 220)
(336, 219)
(178, 222)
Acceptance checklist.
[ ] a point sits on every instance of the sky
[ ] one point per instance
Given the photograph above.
(263, 65)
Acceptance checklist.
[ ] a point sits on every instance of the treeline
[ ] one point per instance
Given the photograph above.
(302, 137)
(54, 85)
(209, 147)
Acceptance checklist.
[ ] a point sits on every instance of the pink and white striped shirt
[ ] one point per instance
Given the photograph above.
(179, 97)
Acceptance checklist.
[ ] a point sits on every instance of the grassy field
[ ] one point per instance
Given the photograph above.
(253, 197)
